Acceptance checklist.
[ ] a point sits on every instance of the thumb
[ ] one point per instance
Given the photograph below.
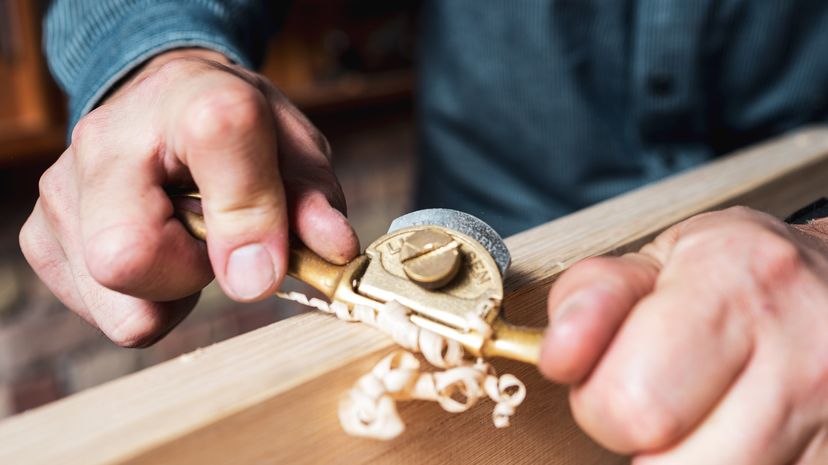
(588, 304)
(228, 141)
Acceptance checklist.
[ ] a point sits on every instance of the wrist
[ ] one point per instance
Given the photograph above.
(183, 53)
(158, 61)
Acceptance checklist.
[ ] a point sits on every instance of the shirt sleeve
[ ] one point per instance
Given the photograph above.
(91, 44)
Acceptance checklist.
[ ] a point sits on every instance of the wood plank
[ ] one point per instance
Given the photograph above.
(270, 396)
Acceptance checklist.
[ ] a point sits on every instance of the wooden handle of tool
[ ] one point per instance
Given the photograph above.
(514, 342)
(303, 264)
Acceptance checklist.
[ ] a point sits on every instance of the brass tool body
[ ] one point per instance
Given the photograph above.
(452, 309)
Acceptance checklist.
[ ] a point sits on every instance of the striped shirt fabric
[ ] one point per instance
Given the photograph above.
(528, 109)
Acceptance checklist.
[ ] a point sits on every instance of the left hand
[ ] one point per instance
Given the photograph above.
(709, 346)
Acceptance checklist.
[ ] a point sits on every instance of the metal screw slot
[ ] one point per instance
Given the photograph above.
(430, 258)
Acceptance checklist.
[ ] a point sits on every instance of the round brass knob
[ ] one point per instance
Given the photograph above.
(430, 258)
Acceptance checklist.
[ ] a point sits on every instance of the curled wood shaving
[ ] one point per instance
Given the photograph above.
(369, 409)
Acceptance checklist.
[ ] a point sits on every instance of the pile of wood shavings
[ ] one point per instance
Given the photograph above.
(369, 408)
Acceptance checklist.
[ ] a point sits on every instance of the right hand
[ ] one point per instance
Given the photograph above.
(102, 235)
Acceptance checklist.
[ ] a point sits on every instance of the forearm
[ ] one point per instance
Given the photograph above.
(92, 45)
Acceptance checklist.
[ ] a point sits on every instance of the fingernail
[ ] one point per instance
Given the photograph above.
(250, 271)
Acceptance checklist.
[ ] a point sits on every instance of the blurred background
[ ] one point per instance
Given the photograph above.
(347, 63)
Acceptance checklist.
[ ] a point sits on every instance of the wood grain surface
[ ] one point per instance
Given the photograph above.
(270, 396)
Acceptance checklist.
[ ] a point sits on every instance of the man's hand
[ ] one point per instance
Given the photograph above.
(102, 235)
(709, 346)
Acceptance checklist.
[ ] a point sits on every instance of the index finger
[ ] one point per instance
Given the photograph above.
(223, 131)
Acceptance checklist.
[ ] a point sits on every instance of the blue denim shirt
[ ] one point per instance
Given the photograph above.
(528, 109)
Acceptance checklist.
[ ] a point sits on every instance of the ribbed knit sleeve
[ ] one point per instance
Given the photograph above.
(91, 44)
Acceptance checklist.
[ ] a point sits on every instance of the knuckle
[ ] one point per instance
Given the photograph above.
(118, 257)
(234, 109)
(28, 240)
(49, 184)
(89, 131)
(54, 200)
(36, 248)
(776, 260)
(89, 141)
(624, 416)
(24, 238)
(648, 423)
(258, 213)
(138, 328)
(144, 323)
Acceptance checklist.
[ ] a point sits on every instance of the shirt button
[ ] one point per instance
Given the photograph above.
(660, 84)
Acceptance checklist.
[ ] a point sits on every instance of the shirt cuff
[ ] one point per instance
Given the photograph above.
(140, 37)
